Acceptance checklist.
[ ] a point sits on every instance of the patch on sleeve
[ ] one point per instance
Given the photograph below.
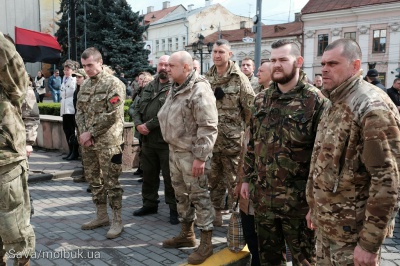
(373, 153)
(115, 100)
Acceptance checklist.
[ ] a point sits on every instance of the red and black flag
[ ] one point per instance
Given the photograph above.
(36, 46)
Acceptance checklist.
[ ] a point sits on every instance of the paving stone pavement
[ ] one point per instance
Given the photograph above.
(61, 206)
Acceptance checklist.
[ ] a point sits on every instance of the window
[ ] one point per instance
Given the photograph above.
(176, 44)
(350, 35)
(169, 44)
(322, 43)
(163, 45)
(379, 42)
(157, 46)
(183, 42)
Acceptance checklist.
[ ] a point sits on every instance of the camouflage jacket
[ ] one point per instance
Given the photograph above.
(13, 86)
(189, 117)
(354, 176)
(282, 133)
(234, 109)
(145, 112)
(254, 83)
(30, 116)
(100, 110)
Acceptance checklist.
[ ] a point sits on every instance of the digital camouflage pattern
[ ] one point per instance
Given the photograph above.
(354, 176)
(100, 110)
(13, 85)
(282, 133)
(234, 112)
(334, 252)
(188, 121)
(30, 116)
(16, 232)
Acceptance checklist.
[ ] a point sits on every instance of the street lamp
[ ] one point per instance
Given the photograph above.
(197, 47)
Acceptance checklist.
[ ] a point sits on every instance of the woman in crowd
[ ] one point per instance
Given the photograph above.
(39, 85)
(67, 110)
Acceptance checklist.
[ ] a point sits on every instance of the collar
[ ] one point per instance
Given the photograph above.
(342, 90)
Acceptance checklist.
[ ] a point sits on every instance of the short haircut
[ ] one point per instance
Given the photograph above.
(223, 42)
(295, 50)
(351, 49)
(248, 59)
(91, 51)
(395, 80)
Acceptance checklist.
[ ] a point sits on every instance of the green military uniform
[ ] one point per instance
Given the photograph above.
(100, 111)
(233, 115)
(254, 83)
(353, 183)
(16, 232)
(155, 154)
(282, 133)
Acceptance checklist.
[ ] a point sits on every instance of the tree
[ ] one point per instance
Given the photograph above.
(113, 28)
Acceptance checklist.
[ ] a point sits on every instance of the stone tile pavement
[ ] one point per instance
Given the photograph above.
(61, 206)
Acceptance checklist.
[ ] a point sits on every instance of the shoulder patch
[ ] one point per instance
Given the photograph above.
(115, 100)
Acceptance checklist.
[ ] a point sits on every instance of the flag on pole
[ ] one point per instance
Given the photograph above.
(34, 46)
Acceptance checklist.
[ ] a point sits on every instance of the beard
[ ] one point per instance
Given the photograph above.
(286, 77)
(163, 74)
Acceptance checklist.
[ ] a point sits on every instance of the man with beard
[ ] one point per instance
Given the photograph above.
(155, 151)
(234, 95)
(282, 132)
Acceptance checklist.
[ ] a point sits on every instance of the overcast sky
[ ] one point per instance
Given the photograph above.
(273, 11)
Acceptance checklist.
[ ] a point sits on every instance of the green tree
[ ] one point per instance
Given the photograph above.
(113, 28)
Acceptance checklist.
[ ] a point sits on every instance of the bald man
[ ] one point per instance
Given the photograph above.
(188, 122)
(264, 76)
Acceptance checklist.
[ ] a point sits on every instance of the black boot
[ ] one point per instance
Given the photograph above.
(70, 151)
(74, 154)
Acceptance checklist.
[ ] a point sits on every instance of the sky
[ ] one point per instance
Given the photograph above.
(273, 11)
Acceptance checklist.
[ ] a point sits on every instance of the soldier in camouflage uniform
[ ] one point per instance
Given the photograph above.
(264, 76)
(282, 133)
(188, 122)
(353, 183)
(100, 121)
(234, 95)
(247, 67)
(16, 232)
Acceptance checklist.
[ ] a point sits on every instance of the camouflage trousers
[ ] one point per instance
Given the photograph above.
(17, 237)
(191, 192)
(333, 252)
(223, 177)
(102, 170)
(273, 233)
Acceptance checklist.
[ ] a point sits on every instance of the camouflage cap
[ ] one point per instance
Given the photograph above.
(80, 72)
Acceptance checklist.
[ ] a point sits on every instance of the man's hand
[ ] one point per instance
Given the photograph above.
(198, 168)
(29, 150)
(244, 191)
(310, 225)
(143, 129)
(85, 139)
(364, 258)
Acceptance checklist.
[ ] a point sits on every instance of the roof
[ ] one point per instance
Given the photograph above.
(159, 14)
(178, 16)
(268, 31)
(316, 6)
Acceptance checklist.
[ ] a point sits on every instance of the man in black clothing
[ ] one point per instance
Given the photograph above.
(394, 92)
(372, 77)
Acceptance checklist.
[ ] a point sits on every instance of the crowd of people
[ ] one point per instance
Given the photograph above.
(314, 167)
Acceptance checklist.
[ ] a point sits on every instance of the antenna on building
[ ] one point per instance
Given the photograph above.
(219, 31)
(250, 10)
(290, 10)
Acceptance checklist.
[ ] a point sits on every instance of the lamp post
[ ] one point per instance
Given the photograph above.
(197, 47)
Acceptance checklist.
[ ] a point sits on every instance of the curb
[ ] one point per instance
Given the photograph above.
(224, 257)
(59, 174)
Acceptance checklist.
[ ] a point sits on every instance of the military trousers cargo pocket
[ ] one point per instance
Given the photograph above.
(13, 225)
(11, 191)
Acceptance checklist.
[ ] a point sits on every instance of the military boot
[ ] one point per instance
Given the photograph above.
(204, 250)
(101, 218)
(116, 226)
(186, 237)
(218, 218)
